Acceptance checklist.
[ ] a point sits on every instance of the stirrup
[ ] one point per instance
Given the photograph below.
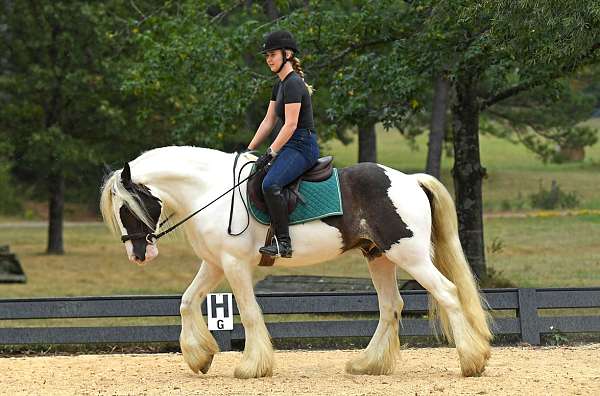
(287, 252)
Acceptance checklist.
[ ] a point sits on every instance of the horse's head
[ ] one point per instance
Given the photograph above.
(130, 209)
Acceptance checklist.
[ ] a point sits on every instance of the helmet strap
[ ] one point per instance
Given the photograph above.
(285, 59)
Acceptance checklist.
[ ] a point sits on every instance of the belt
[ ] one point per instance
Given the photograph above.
(310, 130)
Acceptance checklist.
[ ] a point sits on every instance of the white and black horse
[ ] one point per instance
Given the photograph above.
(397, 220)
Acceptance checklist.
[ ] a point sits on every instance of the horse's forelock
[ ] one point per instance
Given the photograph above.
(114, 188)
(106, 202)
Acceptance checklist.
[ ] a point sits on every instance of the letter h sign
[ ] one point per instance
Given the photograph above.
(219, 307)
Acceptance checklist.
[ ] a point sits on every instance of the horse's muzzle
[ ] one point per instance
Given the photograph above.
(151, 252)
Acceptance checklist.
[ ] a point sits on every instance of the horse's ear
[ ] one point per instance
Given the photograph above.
(126, 174)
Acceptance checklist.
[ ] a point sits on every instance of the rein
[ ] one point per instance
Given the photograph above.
(151, 238)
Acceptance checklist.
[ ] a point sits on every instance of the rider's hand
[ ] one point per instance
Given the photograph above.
(263, 160)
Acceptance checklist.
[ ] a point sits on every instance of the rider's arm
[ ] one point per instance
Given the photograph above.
(265, 127)
(292, 111)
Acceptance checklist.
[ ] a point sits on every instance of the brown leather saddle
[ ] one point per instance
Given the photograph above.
(319, 172)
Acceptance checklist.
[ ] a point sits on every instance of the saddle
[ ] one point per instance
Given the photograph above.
(319, 172)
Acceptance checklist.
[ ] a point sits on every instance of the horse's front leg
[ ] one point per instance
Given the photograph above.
(197, 343)
(257, 360)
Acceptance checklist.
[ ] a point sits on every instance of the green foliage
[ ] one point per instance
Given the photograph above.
(557, 337)
(60, 102)
(192, 64)
(554, 198)
(550, 146)
(10, 204)
(203, 62)
(545, 120)
(513, 204)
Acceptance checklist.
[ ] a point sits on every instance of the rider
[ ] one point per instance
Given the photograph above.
(295, 148)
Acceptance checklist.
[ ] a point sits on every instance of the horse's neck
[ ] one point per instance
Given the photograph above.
(180, 175)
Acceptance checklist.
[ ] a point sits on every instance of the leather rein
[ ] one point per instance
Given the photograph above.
(151, 238)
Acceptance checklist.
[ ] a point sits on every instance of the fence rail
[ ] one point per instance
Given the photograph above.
(527, 305)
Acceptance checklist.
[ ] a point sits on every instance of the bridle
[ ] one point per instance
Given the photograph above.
(152, 237)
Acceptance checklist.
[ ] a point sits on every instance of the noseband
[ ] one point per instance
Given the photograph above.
(150, 238)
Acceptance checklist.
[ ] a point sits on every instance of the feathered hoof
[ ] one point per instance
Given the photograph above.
(474, 367)
(363, 365)
(198, 361)
(247, 369)
(204, 369)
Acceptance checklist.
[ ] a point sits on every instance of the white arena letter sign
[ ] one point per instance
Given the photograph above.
(219, 307)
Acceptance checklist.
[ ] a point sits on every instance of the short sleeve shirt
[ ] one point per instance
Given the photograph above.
(292, 89)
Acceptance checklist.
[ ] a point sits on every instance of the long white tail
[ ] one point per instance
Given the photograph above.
(450, 260)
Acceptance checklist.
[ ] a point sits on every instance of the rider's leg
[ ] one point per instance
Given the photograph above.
(286, 168)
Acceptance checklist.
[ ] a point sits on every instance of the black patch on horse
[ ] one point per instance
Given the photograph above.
(364, 189)
(130, 221)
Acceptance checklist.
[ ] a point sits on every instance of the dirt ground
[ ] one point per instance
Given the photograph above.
(422, 371)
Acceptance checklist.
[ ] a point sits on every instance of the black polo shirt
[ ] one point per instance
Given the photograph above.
(292, 89)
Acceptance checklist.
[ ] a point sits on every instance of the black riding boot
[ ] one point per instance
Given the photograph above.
(281, 244)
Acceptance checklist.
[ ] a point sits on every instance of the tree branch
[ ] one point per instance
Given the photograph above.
(516, 89)
(352, 48)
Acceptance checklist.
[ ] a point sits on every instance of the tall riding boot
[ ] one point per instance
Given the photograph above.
(281, 244)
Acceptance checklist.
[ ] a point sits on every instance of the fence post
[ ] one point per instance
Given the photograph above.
(223, 339)
(528, 316)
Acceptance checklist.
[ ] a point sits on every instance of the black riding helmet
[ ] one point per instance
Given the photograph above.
(280, 40)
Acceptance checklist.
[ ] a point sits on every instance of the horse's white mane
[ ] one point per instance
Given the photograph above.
(149, 163)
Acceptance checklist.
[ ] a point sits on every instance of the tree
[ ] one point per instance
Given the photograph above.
(373, 62)
(61, 106)
(437, 129)
(509, 48)
(343, 45)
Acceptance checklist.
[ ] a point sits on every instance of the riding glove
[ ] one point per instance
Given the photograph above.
(264, 159)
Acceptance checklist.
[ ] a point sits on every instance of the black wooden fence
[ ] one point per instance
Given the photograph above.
(526, 315)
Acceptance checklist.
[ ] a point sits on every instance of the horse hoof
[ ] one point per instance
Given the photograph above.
(204, 369)
(474, 370)
(362, 366)
(244, 372)
(198, 362)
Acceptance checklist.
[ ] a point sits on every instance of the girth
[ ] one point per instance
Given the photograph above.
(319, 172)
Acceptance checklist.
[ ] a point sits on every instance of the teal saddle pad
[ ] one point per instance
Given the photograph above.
(323, 199)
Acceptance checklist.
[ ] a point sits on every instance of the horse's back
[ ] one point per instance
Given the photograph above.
(381, 205)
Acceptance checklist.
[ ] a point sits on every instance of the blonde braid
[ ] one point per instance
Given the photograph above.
(298, 69)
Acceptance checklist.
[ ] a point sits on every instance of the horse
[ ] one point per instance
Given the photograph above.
(395, 219)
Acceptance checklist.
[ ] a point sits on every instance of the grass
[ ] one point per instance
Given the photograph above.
(546, 251)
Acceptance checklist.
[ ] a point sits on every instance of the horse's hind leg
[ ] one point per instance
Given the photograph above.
(473, 350)
(197, 344)
(257, 360)
(382, 352)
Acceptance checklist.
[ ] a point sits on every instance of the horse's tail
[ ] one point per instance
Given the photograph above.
(449, 259)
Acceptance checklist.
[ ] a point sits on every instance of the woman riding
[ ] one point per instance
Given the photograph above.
(295, 149)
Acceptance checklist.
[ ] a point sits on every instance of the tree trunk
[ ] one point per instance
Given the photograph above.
(468, 172)
(270, 8)
(55, 213)
(438, 125)
(367, 142)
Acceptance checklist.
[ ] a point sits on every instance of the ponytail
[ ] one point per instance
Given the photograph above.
(298, 69)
